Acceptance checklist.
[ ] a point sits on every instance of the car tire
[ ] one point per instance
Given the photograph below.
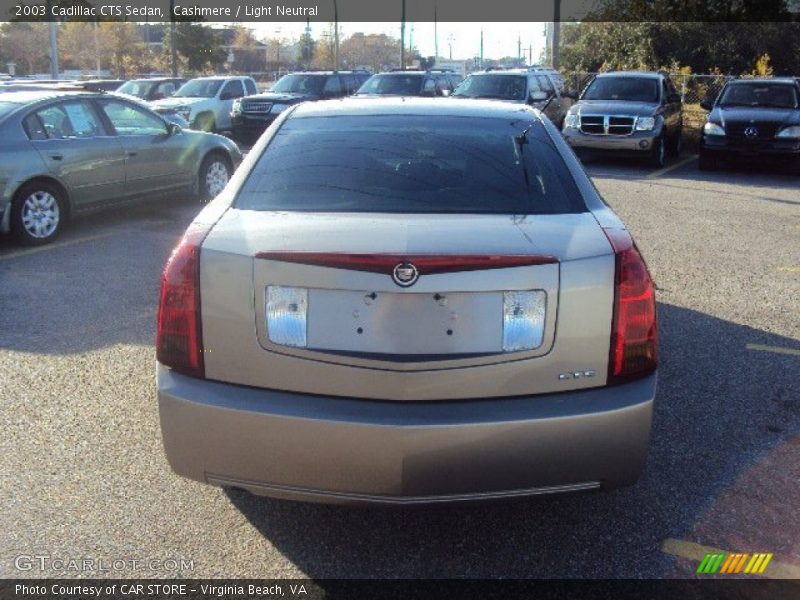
(215, 172)
(38, 212)
(205, 122)
(658, 155)
(706, 162)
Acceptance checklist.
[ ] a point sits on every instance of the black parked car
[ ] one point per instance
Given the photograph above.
(400, 82)
(251, 115)
(750, 118)
(154, 88)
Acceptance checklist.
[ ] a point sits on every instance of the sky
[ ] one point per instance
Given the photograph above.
(499, 39)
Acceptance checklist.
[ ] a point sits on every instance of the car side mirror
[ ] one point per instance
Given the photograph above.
(173, 129)
(706, 104)
(538, 96)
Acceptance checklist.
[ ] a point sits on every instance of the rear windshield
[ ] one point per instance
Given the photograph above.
(401, 85)
(411, 164)
(501, 87)
(631, 89)
(775, 95)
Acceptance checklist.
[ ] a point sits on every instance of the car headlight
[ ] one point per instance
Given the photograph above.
(572, 121)
(236, 108)
(789, 132)
(276, 108)
(713, 129)
(645, 123)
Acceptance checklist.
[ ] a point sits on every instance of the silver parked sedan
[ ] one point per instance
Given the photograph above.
(407, 301)
(63, 153)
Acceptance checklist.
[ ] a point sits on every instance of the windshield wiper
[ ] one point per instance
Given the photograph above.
(521, 140)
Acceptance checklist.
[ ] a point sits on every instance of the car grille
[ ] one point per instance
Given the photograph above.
(256, 107)
(765, 131)
(607, 125)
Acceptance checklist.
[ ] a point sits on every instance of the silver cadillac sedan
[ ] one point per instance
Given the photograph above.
(405, 300)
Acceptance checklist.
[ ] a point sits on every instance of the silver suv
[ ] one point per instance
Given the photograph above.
(636, 113)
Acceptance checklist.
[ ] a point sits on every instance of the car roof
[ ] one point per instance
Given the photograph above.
(411, 105)
(789, 80)
(28, 96)
(165, 78)
(639, 74)
(507, 72)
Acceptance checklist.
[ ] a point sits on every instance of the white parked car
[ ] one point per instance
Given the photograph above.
(206, 102)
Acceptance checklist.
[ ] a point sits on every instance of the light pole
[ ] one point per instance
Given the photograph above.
(172, 36)
(450, 39)
(556, 39)
(335, 36)
(403, 35)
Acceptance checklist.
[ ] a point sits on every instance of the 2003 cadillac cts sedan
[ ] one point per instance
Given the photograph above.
(407, 301)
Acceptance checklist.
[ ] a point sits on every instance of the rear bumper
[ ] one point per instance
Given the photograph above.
(341, 450)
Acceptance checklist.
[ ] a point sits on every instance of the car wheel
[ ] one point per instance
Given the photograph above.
(215, 172)
(37, 214)
(659, 153)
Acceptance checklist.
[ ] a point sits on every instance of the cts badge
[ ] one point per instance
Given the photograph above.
(405, 274)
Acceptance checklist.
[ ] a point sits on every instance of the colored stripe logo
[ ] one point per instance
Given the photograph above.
(740, 562)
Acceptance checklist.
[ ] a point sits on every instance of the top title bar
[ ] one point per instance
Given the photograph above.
(396, 10)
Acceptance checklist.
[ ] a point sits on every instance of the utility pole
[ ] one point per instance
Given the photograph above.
(435, 31)
(335, 36)
(403, 35)
(556, 37)
(97, 49)
(172, 36)
(53, 49)
(519, 48)
(481, 55)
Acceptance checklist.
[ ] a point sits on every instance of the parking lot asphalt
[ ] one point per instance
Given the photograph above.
(83, 474)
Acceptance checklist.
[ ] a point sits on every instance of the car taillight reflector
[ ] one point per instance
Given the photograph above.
(634, 342)
(179, 338)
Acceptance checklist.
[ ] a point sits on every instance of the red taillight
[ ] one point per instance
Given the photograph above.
(634, 333)
(179, 339)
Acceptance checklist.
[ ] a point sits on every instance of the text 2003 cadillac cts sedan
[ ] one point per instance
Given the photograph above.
(407, 301)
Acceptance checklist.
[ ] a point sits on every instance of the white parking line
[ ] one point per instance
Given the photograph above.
(55, 246)
(773, 349)
(677, 165)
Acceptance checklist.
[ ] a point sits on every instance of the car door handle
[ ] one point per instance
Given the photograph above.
(131, 153)
(57, 156)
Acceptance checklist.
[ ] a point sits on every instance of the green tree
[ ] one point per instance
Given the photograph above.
(199, 47)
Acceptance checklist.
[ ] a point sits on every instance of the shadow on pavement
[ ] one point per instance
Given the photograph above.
(719, 408)
(96, 286)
